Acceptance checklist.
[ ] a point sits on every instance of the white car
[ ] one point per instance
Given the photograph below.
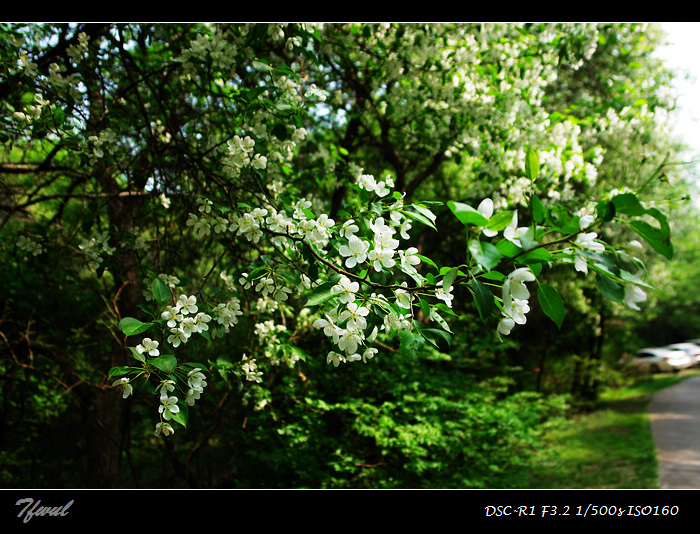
(656, 360)
(690, 348)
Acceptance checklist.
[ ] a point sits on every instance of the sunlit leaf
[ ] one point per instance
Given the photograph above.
(466, 214)
(132, 327)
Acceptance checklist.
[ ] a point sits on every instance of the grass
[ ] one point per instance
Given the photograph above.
(609, 448)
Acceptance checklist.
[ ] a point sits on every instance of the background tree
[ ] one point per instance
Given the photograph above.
(174, 204)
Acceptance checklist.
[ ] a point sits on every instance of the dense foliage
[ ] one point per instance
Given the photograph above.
(340, 255)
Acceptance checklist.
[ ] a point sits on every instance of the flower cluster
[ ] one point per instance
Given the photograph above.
(29, 245)
(370, 184)
(241, 154)
(77, 51)
(32, 112)
(297, 226)
(104, 142)
(196, 382)
(476, 95)
(249, 224)
(227, 313)
(250, 368)
(266, 331)
(184, 320)
(347, 327)
(515, 299)
(206, 221)
(268, 286)
(168, 407)
(95, 247)
(316, 92)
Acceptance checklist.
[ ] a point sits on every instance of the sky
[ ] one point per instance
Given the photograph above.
(683, 52)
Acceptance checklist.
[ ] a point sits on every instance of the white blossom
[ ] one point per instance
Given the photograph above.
(446, 296)
(355, 316)
(335, 358)
(349, 229)
(125, 385)
(149, 346)
(369, 354)
(349, 341)
(177, 337)
(345, 289)
(250, 368)
(485, 208)
(513, 232)
(196, 379)
(165, 387)
(163, 428)
(330, 328)
(168, 407)
(355, 251)
(408, 259)
(187, 304)
(505, 326)
(634, 294)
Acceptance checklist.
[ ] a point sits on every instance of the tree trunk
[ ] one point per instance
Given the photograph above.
(105, 409)
(106, 412)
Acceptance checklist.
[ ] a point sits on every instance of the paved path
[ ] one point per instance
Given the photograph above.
(675, 425)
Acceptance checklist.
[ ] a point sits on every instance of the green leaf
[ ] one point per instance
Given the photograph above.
(132, 327)
(658, 238)
(424, 307)
(434, 315)
(427, 260)
(466, 214)
(559, 218)
(433, 335)
(609, 288)
(629, 204)
(137, 355)
(425, 212)
(631, 278)
(421, 216)
(166, 363)
(500, 220)
(118, 371)
(280, 131)
(449, 278)
(486, 254)
(537, 210)
(539, 255)
(182, 416)
(551, 303)
(508, 249)
(493, 275)
(205, 334)
(320, 294)
(259, 65)
(604, 263)
(532, 165)
(296, 351)
(605, 210)
(161, 291)
(483, 298)
(410, 344)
